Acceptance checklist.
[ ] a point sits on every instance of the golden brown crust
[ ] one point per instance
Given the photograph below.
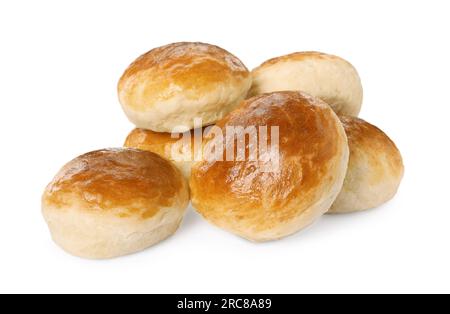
(189, 66)
(155, 142)
(311, 142)
(124, 182)
(181, 150)
(375, 168)
(365, 138)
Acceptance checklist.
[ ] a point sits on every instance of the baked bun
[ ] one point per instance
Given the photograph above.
(327, 77)
(263, 203)
(375, 168)
(180, 150)
(114, 202)
(171, 85)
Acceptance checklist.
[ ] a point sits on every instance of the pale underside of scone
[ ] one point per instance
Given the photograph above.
(327, 77)
(375, 168)
(261, 206)
(94, 235)
(115, 202)
(171, 86)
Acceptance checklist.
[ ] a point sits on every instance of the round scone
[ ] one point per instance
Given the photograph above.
(179, 149)
(114, 202)
(290, 184)
(172, 85)
(327, 77)
(375, 168)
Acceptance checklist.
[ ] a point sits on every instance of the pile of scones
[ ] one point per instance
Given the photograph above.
(114, 202)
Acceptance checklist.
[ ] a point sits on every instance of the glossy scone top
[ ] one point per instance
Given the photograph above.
(328, 77)
(170, 85)
(375, 168)
(238, 196)
(124, 183)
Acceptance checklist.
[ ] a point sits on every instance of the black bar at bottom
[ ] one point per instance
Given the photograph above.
(224, 303)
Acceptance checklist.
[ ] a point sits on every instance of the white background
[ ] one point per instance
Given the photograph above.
(59, 65)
